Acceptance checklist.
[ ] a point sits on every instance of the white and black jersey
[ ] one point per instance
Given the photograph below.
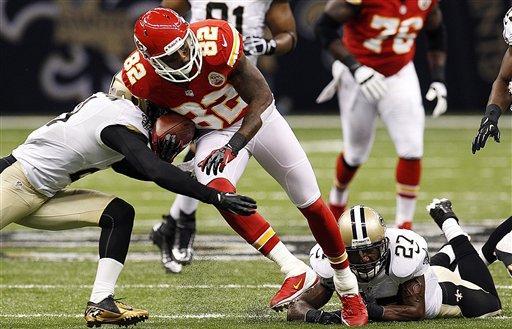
(408, 258)
(69, 146)
(248, 16)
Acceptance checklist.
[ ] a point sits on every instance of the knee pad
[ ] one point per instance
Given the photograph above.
(117, 213)
(301, 185)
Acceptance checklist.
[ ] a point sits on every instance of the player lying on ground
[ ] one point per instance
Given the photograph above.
(374, 76)
(501, 93)
(100, 132)
(200, 71)
(250, 19)
(394, 274)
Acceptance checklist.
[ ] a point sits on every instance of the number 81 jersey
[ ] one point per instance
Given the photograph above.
(208, 100)
(383, 33)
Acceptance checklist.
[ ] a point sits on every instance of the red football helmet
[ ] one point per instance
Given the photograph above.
(165, 39)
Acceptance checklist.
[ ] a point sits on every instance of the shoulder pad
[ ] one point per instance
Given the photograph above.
(228, 44)
(408, 254)
(137, 74)
(507, 27)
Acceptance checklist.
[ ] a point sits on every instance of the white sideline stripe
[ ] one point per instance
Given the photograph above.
(151, 316)
(161, 286)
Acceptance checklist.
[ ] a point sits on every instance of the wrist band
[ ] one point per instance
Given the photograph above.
(237, 142)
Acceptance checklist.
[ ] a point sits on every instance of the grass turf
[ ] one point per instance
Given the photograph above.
(479, 186)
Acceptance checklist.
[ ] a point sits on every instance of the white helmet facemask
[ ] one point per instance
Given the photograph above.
(181, 74)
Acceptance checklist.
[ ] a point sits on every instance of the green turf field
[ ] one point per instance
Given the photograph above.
(41, 286)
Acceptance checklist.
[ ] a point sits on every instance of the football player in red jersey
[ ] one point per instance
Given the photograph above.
(375, 76)
(250, 19)
(200, 71)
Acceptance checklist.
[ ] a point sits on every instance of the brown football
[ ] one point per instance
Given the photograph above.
(173, 124)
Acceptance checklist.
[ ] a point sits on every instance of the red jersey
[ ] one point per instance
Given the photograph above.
(383, 34)
(208, 100)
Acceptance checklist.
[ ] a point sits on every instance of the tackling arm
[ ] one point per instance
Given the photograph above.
(281, 23)
(500, 93)
(182, 7)
(411, 295)
(307, 307)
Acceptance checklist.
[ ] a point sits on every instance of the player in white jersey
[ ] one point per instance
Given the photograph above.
(250, 17)
(501, 93)
(103, 131)
(396, 277)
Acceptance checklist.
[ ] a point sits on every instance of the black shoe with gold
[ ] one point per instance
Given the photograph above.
(112, 311)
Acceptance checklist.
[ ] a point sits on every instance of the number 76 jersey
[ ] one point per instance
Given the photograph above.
(208, 100)
(383, 33)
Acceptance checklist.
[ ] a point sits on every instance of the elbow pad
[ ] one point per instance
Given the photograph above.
(437, 38)
(326, 30)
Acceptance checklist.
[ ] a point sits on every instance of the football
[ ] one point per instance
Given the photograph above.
(173, 124)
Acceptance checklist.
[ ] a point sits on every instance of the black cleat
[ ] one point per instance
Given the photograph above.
(162, 235)
(183, 250)
(112, 311)
(440, 210)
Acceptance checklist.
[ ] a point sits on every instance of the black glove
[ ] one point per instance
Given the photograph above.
(259, 46)
(318, 316)
(375, 311)
(169, 148)
(238, 204)
(440, 210)
(488, 127)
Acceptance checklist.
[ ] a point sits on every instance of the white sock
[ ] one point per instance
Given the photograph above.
(106, 278)
(482, 257)
(184, 203)
(338, 197)
(452, 229)
(404, 209)
(448, 251)
(345, 281)
(289, 264)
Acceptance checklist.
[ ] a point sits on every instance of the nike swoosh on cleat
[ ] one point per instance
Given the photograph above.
(296, 286)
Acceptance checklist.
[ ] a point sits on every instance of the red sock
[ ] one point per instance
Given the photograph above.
(344, 172)
(326, 232)
(408, 173)
(253, 228)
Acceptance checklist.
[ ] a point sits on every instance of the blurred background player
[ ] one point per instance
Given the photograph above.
(103, 131)
(251, 18)
(398, 281)
(199, 70)
(376, 77)
(501, 93)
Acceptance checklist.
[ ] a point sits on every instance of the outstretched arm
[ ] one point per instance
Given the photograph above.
(500, 93)
(281, 23)
(411, 295)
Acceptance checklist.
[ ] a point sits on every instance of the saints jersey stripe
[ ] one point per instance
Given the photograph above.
(233, 57)
(363, 222)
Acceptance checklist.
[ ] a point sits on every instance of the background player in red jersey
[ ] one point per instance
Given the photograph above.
(378, 78)
(250, 19)
(200, 71)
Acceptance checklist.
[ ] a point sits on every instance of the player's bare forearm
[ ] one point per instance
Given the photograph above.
(281, 23)
(313, 299)
(254, 90)
(412, 297)
(182, 7)
(500, 94)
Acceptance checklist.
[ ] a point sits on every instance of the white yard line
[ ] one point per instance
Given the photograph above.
(163, 286)
(151, 316)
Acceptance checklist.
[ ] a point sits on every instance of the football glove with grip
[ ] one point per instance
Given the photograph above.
(259, 46)
(323, 317)
(488, 127)
(437, 91)
(372, 82)
(218, 159)
(237, 204)
(168, 148)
